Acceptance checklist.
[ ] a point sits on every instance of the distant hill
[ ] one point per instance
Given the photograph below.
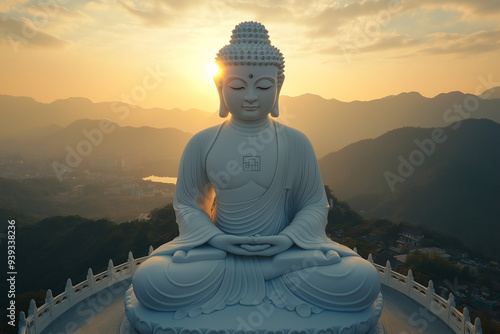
(330, 124)
(90, 139)
(492, 93)
(454, 186)
(20, 115)
(110, 154)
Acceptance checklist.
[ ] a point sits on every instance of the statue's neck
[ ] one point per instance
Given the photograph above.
(249, 127)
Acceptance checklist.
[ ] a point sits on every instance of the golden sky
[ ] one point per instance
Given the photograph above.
(157, 53)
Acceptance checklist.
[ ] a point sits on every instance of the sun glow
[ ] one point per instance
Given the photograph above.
(212, 70)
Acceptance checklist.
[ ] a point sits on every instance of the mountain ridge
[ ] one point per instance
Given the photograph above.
(330, 124)
(452, 188)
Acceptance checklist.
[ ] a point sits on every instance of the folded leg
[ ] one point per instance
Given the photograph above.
(165, 285)
(351, 285)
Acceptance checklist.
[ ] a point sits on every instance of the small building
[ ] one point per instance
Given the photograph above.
(410, 239)
(136, 193)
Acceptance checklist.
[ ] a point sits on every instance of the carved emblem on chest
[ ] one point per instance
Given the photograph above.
(251, 163)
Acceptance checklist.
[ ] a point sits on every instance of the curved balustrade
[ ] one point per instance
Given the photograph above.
(426, 296)
(39, 318)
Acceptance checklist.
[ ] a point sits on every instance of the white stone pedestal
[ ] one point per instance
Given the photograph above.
(260, 319)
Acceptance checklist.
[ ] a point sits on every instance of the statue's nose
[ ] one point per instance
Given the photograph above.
(250, 98)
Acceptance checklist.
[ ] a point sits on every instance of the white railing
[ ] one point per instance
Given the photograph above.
(39, 318)
(426, 296)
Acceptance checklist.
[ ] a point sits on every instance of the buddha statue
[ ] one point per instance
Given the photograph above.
(252, 209)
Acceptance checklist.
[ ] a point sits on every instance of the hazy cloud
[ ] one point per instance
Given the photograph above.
(480, 7)
(183, 5)
(328, 26)
(264, 11)
(22, 31)
(9, 5)
(433, 44)
(54, 11)
(479, 42)
(160, 13)
(151, 17)
(332, 19)
(392, 42)
(346, 21)
(382, 43)
(364, 26)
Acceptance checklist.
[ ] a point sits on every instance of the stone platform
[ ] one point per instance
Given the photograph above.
(260, 319)
(103, 314)
(125, 328)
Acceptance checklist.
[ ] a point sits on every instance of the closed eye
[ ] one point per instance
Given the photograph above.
(236, 88)
(264, 88)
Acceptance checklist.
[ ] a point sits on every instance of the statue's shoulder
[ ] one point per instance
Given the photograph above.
(205, 137)
(297, 136)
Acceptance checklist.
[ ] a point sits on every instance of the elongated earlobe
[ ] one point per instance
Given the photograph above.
(223, 112)
(276, 110)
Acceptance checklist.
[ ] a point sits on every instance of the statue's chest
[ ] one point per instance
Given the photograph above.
(241, 162)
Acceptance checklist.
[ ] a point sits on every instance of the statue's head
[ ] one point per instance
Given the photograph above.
(250, 74)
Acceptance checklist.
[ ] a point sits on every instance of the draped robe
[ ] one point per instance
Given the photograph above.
(190, 277)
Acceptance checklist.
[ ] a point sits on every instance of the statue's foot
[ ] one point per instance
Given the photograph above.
(295, 259)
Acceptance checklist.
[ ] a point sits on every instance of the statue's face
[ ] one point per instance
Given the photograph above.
(250, 92)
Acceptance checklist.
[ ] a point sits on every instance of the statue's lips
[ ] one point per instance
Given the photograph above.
(252, 108)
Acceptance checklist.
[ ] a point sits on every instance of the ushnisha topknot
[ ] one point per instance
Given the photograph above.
(250, 45)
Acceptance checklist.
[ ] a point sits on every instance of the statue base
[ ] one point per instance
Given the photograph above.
(260, 319)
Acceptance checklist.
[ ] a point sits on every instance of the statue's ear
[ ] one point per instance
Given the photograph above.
(276, 111)
(223, 112)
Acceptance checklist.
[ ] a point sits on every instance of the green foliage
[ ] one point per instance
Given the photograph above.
(388, 231)
(340, 216)
(30, 196)
(426, 267)
(57, 248)
(363, 247)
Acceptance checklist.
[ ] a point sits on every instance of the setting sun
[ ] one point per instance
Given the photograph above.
(212, 69)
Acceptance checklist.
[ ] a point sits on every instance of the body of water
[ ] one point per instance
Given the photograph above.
(162, 179)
